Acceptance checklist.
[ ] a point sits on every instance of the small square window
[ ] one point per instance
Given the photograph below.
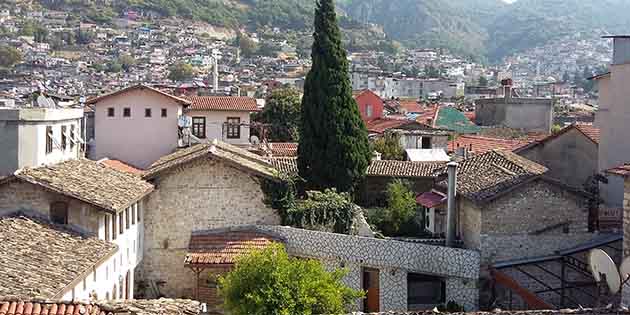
(164, 112)
(126, 112)
(111, 112)
(147, 112)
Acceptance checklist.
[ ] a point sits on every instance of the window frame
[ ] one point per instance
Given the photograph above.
(64, 138)
(55, 216)
(49, 139)
(232, 127)
(127, 112)
(111, 112)
(114, 223)
(199, 126)
(148, 113)
(164, 113)
(121, 223)
(107, 228)
(72, 136)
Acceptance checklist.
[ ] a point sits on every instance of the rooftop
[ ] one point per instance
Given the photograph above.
(479, 144)
(90, 182)
(42, 260)
(220, 247)
(14, 306)
(223, 103)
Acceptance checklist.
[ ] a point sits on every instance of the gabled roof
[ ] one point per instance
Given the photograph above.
(356, 94)
(621, 170)
(487, 176)
(89, 181)
(380, 125)
(17, 306)
(283, 148)
(224, 246)
(223, 103)
(121, 166)
(588, 130)
(230, 154)
(137, 87)
(44, 260)
(478, 144)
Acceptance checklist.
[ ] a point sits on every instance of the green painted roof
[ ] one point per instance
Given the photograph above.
(452, 119)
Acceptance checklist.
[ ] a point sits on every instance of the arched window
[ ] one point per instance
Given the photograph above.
(59, 212)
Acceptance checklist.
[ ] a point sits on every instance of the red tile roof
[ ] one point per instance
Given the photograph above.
(121, 166)
(223, 103)
(36, 308)
(589, 131)
(430, 199)
(411, 106)
(283, 148)
(622, 170)
(381, 125)
(221, 248)
(479, 145)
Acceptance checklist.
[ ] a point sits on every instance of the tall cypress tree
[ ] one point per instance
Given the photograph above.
(334, 150)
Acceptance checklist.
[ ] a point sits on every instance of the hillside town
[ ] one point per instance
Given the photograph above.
(165, 166)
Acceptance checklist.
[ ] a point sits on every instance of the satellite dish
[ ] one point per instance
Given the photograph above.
(184, 122)
(624, 270)
(602, 264)
(51, 103)
(254, 140)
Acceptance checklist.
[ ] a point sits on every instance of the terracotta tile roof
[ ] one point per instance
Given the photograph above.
(411, 106)
(223, 247)
(283, 148)
(121, 166)
(430, 199)
(136, 87)
(230, 154)
(383, 124)
(622, 170)
(485, 177)
(479, 144)
(42, 260)
(90, 182)
(589, 131)
(15, 306)
(286, 165)
(223, 103)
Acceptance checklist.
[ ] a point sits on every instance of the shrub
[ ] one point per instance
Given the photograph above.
(389, 146)
(399, 217)
(269, 282)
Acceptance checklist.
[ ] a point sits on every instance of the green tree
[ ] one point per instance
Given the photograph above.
(269, 282)
(334, 151)
(180, 72)
(401, 203)
(247, 45)
(9, 56)
(282, 113)
(126, 61)
(114, 66)
(389, 146)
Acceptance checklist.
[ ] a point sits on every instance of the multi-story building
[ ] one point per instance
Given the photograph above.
(37, 136)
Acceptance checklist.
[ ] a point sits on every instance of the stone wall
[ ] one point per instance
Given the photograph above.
(579, 311)
(394, 259)
(203, 194)
(518, 113)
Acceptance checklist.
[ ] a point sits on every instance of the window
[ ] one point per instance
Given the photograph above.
(126, 112)
(84, 284)
(59, 212)
(94, 275)
(369, 110)
(127, 218)
(233, 128)
(426, 142)
(164, 112)
(147, 112)
(107, 232)
(134, 209)
(139, 208)
(72, 137)
(49, 139)
(111, 112)
(64, 139)
(114, 292)
(199, 127)
(114, 220)
(425, 290)
(121, 223)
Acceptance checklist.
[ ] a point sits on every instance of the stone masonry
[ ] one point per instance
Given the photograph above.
(203, 194)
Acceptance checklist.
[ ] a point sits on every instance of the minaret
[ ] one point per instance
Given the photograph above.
(215, 73)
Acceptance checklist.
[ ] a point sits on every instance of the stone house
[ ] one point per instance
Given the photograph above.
(73, 206)
(206, 186)
(570, 154)
(507, 209)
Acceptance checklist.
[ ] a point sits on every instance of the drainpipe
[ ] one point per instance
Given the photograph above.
(451, 216)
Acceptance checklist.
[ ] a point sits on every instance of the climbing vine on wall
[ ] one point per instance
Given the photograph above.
(319, 210)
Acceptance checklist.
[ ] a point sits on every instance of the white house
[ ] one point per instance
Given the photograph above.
(85, 231)
(38, 136)
(225, 118)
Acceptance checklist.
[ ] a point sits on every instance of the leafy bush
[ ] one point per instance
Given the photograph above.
(399, 217)
(327, 209)
(268, 281)
(389, 146)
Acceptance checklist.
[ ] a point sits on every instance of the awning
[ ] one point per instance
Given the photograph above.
(223, 247)
(430, 199)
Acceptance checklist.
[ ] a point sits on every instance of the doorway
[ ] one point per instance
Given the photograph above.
(371, 303)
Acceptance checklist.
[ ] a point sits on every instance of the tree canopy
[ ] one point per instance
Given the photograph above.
(181, 72)
(334, 149)
(269, 282)
(9, 56)
(282, 113)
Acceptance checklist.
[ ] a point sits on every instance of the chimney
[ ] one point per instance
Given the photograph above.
(451, 216)
(621, 49)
